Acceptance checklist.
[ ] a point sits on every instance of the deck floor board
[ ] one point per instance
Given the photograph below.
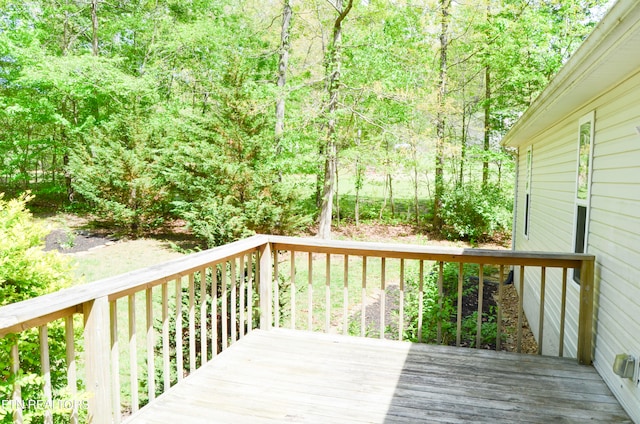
(283, 376)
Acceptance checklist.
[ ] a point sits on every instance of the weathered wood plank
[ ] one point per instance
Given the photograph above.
(294, 376)
(46, 371)
(97, 345)
(431, 253)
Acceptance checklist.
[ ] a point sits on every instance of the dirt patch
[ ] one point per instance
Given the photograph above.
(74, 241)
(98, 253)
(510, 323)
(402, 233)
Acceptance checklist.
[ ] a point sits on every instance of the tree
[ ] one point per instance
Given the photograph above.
(333, 58)
(441, 123)
(283, 61)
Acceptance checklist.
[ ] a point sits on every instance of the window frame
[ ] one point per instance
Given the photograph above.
(527, 192)
(586, 180)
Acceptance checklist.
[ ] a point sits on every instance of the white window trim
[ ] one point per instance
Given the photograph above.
(588, 118)
(526, 230)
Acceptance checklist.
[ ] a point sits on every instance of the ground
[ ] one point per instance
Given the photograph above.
(100, 254)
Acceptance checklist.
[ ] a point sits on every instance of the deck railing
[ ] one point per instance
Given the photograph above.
(142, 332)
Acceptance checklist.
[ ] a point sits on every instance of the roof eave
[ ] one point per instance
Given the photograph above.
(591, 71)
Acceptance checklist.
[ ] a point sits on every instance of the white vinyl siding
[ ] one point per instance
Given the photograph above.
(553, 188)
(614, 228)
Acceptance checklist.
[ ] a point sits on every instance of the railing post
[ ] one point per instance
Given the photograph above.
(585, 319)
(97, 360)
(266, 278)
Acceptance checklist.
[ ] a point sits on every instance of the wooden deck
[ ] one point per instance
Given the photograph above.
(282, 376)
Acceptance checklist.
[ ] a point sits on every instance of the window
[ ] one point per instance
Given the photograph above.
(527, 194)
(583, 186)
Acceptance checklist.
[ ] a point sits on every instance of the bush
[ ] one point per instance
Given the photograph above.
(446, 314)
(27, 271)
(116, 171)
(473, 214)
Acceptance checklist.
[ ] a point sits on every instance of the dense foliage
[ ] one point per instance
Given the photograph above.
(439, 311)
(143, 111)
(27, 271)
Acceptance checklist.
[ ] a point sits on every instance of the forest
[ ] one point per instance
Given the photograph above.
(275, 116)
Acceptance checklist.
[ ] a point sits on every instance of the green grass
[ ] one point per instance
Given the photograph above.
(372, 197)
(318, 289)
(120, 258)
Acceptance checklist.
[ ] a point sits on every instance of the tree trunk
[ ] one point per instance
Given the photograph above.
(463, 147)
(359, 178)
(393, 206)
(441, 114)
(94, 27)
(487, 111)
(334, 62)
(415, 184)
(283, 62)
(487, 127)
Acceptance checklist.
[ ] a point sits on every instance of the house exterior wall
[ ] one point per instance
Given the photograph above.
(613, 230)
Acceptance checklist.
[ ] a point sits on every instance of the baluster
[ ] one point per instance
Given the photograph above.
(401, 302)
(480, 299)
(276, 290)
(214, 310)
(292, 279)
(16, 394)
(459, 312)
(192, 322)
(543, 280)
(151, 371)
(223, 313)
(327, 294)
(243, 298)
(563, 307)
(383, 291)
(46, 372)
(420, 300)
(179, 333)
(250, 292)
(133, 354)
(520, 310)
(345, 297)
(115, 362)
(203, 316)
(166, 362)
(499, 317)
(310, 291)
(363, 306)
(440, 280)
(234, 300)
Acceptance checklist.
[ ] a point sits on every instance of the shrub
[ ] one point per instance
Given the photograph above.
(445, 314)
(475, 214)
(27, 271)
(116, 171)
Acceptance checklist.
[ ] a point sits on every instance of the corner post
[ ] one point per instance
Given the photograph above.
(585, 318)
(97, 360)
(266, 278)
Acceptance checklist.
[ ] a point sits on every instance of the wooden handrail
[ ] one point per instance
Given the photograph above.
(542, 259)
(29, 313)
(435, 253)
(97, 301)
